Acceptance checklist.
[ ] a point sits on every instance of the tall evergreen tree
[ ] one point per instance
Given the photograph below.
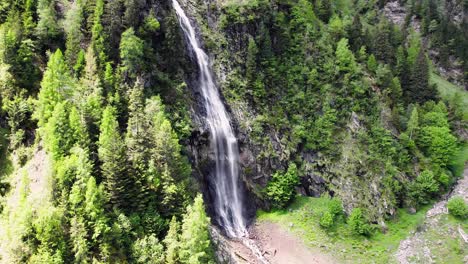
(172, 243)
(47, 26)
(56, 86)
(195, 244)
(118, 183)
(420, 90)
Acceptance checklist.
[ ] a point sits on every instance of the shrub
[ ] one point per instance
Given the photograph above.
(358, 223)
(422, 189)
(326, 221)
(280, 189)
(335, 207)
(458, 207)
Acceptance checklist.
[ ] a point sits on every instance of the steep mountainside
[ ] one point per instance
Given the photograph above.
(144, 131)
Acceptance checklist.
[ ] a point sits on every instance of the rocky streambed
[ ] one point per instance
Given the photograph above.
(438, 240)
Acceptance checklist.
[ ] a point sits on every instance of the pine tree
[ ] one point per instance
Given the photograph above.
(98, 37)
(47, 26)
(74, 36)
(56, 86)
(420, 90)
(171, 241)
(80, 64)
(324, 10)
(28, 20)
(131, 51)
(113, 162)
(58, 134)
(383, 48)
(195, 244)
(345, 58)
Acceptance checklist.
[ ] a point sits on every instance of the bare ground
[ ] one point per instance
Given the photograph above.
(277, 246)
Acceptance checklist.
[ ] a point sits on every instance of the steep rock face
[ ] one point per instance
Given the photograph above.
(265, 150)
(262, 149)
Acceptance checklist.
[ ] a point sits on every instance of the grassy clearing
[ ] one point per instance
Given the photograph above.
(451, 93)
(447, 89)
(302, 218)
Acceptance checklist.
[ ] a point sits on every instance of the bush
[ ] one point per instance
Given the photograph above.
(335, 207)
(458, 207)
(280, 189)
(358, 223)
(326, 221)
(424, 187)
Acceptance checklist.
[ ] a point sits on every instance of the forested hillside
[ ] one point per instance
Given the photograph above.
(106, 155)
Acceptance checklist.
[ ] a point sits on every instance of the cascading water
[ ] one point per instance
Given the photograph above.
(228, 197)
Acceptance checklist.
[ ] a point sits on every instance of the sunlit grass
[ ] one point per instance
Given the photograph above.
(302, 218)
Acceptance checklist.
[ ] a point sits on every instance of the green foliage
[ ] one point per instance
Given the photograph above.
(47, 26)
(326, 221)
(358, 223)
(131, 51)
(335, 207)
(372, 63)
(439, 144)
(74, 36)
(56, 86)
(59, 134)
(148, 250)
(112, 155)
(280, 189)
(458, 207)
(195, 244)
(345, 58)
(424, 187)
(172, 243)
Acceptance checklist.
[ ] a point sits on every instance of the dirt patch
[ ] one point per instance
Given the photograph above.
(279, 246)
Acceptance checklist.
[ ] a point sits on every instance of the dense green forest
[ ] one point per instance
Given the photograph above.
(100, 131)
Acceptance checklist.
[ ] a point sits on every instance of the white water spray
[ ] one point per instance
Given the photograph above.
(228, 200)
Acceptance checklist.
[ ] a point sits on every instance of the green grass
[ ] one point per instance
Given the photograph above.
(450, 92)
(457, 164)
(445, 244)
(447, 89)
(304, 215)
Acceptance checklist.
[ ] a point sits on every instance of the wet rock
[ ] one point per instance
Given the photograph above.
(223, 252)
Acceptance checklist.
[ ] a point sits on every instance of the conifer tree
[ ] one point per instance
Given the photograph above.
(59, 135)
(56, 86)
(47, 26)
(74, 36)
(80, 64)
(98, 37)
(172, 243)
(113, 162)
(195, 245)
(251, 64)
(420, 90)
(131, 51)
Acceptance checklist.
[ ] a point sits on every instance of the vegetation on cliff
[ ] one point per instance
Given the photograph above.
(328, 97)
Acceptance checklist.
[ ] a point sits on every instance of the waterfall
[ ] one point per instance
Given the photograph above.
(228, 197)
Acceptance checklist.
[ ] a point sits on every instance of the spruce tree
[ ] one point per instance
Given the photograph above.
(74, 36)
(172, 243)
(56, 86)
(420, 89)
(47, 26)
(118, 183)
(195, 244)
